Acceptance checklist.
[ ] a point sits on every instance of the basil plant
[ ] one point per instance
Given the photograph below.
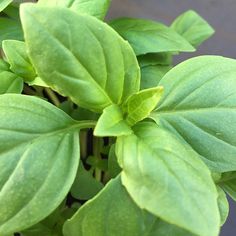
(101, 135)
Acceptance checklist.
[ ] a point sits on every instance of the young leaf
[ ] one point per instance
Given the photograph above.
(223, 205)
(151, 75)
(228, 183)
(18, 59)
(4, 4)
(39, 157)
(38, 82)
(112, 212)
(168, 179)
(192, 27)
(139, 105)
(112, 123)
(199, 106)
(146, 36)
(10, 83)
(80, 60)
(85, 186)
(97, 8)
(10, 29)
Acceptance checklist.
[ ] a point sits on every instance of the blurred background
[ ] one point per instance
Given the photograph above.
(221, 14)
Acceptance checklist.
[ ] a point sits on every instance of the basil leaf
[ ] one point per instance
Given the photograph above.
(97, 8)
(10, 29)
(39, 157)
(112, 123)
(18, 59)
(80, 60)
(38, 82)
(146, 36)
(4, 4)
(10, 83)
(192, 27)
(12, 11)
(114, 206)
(228, 183)
(223, 205)
(139, 105)
(113, 166)
(151, 75)
(85, 186)
(152, 59)
(4, 66)
(199, 106)
(177, 184)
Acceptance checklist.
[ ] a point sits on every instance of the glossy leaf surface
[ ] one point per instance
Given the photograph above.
(177, 184)
(192, 27)
(139, 105)
(97, 8)
(112, 123)
(85, 185)
(151, 75)
(39, 157)
(4, 4)
(10, 29)
(10, 83)
(113, 212)
(17, 57)
(146, 36)
(80, 60)
(199, 106)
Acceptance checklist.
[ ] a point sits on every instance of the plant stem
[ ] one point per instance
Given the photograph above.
(53, 97)
(96, 153)
(29, 91)
(83, 144)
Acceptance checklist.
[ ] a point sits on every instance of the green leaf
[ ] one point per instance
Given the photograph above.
(139, 105)
(18, 59)
(10, 83)
(85, 186)
(39, 229)
(112, 212)
(38, 82)
(199, 106)
(97, 8)
(113, 166)
(84, 114)
(151, 75)
(4, 66)
(10, 29)
(52, 225)
(80, 57)
(4, 4)
(112, 123)
(39, 157)
(177, 184)
(228, 183)
(146, 36)
(223, 205)
(192, 27)
(153, 59)
(12, 11)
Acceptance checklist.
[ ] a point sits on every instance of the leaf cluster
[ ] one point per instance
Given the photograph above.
(101, 135)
